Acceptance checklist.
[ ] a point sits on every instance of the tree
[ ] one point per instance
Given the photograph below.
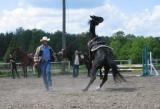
(10, 49)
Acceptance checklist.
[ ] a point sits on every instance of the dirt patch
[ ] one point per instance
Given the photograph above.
(137, 93)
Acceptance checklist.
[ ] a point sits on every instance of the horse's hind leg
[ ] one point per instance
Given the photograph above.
(25, 72)
(33, 70)
(93, 77)
(100, 73)
(105, 78)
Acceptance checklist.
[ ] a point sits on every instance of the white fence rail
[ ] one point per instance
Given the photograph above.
(56, 67)
(130, 67)
(119, 62)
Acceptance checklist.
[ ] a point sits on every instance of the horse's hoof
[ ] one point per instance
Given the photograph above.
(84, 90)
(101, 77)
(98, 88)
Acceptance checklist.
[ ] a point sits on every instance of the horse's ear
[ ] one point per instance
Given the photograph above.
(19, 48)
(102, 19)
(91, 16)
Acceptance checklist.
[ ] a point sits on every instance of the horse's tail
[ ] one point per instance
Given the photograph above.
(116, 75)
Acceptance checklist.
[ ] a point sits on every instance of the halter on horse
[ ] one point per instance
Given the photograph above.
(100, 55)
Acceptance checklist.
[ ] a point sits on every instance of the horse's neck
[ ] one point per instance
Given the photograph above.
(25, 59)
(22, 54)
(92, 30)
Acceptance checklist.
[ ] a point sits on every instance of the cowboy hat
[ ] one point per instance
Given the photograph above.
(45, 38)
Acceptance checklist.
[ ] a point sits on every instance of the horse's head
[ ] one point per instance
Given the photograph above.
(16, 51)
(96, 20)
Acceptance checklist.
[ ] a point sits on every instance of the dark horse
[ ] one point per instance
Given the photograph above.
(86, 61)
(100, 55)
(26, 60)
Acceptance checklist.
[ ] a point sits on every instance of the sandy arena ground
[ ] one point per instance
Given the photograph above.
(137, 93)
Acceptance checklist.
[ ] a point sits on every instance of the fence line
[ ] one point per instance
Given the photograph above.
(56, 67)
(129, 61)
(131, 67)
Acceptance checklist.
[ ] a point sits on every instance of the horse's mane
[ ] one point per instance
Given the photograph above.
(92, 29)
(22, 53)
(19, 50)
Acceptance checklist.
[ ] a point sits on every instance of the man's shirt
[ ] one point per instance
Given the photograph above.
(46, 53)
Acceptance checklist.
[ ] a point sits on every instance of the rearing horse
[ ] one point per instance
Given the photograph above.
(100, 55)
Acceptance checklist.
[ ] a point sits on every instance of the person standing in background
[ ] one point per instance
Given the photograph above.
(13, 66)
(76, 63)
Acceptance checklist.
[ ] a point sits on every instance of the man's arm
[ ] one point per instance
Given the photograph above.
(36, 55)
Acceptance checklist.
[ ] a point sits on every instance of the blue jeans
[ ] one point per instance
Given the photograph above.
(75, 70)
(46, 74)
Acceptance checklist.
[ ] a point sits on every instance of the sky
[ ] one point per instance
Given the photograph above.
(139, 17)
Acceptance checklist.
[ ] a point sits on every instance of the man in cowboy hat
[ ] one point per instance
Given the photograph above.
(43, 56)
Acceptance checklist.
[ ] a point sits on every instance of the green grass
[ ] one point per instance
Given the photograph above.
(5, 74)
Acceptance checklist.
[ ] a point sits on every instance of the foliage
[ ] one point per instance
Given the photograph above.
(124, 46)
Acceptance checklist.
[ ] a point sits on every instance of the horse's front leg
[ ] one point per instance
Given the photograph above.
(100, 73)
(25, 71)
(93, 77)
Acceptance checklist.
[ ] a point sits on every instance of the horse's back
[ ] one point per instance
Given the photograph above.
(104, 55)
(104, 51)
